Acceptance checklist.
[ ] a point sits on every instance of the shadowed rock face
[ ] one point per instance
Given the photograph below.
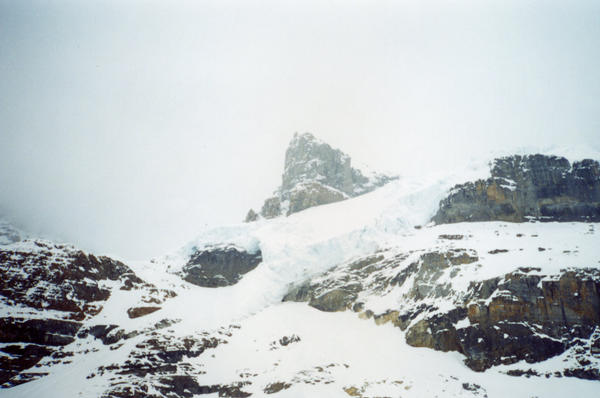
(52, 332)
(524, 317)
(41, 275)
(160, 366)
(547, 188)
(136, 312)
(308, 159)
(46, 291)
(57, 277)
(521, 315)
(316, 174)
(217, 267)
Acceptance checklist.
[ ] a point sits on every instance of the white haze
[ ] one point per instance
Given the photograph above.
(128, 127)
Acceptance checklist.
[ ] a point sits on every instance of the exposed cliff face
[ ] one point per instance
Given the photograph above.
(53, 301)
(308, 159)
(160, 365)
(509, 299)
(547, 188)
(58, 277)
(522, 316)
(47, 292)
(436, 297)
(219, 266)
(316, 174)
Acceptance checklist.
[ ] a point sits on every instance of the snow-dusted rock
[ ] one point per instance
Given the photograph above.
(455, 298)
(542, 187)
(389, 305)
(316, 174)
(48, 291)
(219, 266)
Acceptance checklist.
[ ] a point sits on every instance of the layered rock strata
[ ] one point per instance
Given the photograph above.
(219, 266)
(546, 188)
(523, 315)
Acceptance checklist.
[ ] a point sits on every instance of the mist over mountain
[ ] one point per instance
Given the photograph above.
(139, 120)
(299, 199)
(483, 281)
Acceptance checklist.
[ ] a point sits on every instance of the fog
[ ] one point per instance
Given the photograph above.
(127, 127)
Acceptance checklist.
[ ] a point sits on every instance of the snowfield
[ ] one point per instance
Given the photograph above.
(336, 354)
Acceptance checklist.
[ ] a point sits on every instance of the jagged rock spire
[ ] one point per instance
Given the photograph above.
(315, 174)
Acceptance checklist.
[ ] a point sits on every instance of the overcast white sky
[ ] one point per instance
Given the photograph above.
(125, 127)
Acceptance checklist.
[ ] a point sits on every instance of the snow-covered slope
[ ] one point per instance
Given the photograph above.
(370, 273)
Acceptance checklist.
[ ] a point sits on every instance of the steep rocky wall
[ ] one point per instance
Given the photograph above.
(315, 174)
(308, 159)
(520, 315)
(219, 266)
(543, 187)
(47, 290)
(48, 276)
(524, 316)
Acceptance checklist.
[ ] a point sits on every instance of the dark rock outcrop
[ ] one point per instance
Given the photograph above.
(332, 294)
(315, 174)
(521, 315)
(547, 188)
(219, 266)
(47, 290)
(17, 358)
(39, 275)
(58, 277)
(98, 331)
(49, 332)
(136, 312)
(162, 363)
(436, 332)
(187, 387)
(525, 316)
(33, 340)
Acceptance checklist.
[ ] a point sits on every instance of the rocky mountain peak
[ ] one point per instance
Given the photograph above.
(510, 299)
(315, 174)
(310, 159)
